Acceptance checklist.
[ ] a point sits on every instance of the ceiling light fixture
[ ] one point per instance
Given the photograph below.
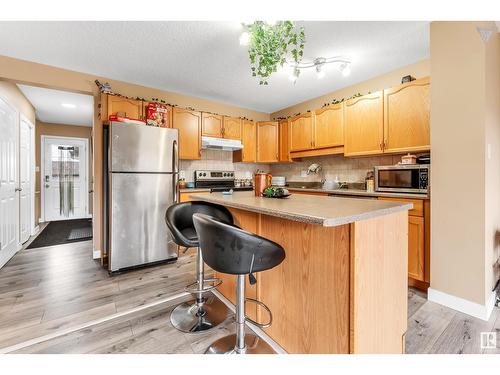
(244, 38)
(294, 75)
(319, 64)
(68, 105)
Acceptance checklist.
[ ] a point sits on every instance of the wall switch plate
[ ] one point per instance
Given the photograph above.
(488, 150)
(303, 173)
(37, 169)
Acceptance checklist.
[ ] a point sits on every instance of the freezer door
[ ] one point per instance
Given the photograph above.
(141, 148)
(138, 231)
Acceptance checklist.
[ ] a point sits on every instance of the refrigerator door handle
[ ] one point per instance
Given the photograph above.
(175, 169)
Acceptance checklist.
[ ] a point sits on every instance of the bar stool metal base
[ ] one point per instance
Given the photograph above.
(254, 345)
(185, 316)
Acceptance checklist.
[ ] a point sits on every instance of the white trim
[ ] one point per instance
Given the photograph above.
(42, 166)
(36, 230)
(32, 172)
(260, 332)
(474, 309)
(96, 254)
(79, 327)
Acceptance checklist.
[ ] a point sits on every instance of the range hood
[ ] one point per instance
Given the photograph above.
(221, 144)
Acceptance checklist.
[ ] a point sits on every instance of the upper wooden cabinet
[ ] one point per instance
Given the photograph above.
(211, 125)
(117, 105)
(407, 117)
(267, 142)
(284, 141)
(364, 125)
(231, 128)
(189, 125)
(249, 140)
(329, 126)
(302, 132)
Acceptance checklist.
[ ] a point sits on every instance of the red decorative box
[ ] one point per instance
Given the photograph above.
(157, 115)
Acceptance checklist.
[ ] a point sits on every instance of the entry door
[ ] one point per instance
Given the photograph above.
(25, 177)
(9, 224)
(64, 178)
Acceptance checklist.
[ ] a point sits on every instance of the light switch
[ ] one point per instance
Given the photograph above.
(303, 173)
(488, 150)
(37, 169)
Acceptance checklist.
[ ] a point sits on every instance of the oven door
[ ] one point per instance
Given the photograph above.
(401, 179)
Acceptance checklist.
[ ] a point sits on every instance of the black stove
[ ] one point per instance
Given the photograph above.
(217, 181)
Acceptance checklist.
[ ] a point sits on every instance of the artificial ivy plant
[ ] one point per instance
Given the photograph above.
(270, 46)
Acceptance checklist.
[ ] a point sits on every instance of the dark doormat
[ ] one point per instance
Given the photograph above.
(64, 231)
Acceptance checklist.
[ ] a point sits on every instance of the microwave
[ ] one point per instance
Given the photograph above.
(402, 178)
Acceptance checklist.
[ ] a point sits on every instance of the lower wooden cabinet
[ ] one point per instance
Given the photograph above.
(184, 196)
(189, 125)
(418, 241)
(267, 142)
(416, 248)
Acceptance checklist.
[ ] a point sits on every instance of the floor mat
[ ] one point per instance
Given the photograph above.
(64, 231)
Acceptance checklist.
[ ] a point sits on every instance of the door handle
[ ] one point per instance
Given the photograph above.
(18, 189)
(47, 185)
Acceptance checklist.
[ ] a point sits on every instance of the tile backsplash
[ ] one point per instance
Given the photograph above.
(347, 169)
(219, 160)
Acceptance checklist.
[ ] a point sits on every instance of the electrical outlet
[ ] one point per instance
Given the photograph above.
(303, 173)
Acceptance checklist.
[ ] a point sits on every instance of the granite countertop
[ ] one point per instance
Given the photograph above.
(361, 192)
(311, 209)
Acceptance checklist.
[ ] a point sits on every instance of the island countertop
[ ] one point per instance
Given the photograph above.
(325, 211)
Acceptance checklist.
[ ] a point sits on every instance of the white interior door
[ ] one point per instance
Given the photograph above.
(64, 178)
(9, 223)
(25, 180)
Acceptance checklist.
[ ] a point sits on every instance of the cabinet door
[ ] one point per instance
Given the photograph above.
(211, 125)
(284, 140)
(232, 128)
(364, 125)
(249, 140)
(125, 107)
(416, 248)
(407, 117)
(329, 126)
(267, 142)
(302, 132)
(189, 125)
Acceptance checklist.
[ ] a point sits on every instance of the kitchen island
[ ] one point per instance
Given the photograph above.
(343, 285)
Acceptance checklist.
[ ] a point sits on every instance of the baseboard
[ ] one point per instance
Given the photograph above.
(6, 256)
(474, 309)
(35, 230)
(96, 254)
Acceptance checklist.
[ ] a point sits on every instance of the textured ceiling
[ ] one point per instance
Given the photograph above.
(205, 59)
(49, 106)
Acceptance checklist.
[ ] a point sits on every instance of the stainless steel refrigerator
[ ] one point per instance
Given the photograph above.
(141, 183)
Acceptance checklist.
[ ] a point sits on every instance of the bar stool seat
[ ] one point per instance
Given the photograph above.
(205, 311)
(231, 250)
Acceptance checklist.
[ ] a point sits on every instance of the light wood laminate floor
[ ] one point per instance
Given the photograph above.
(48, 290)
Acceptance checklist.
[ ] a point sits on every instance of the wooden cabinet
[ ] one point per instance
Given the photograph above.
(418, 241)
(184, 196)
(407, 117)
(267, 142)
(211, 125)
(117, 105)
(302, 132)
(220, 126)
(284, 141)
(416, 251)
(231, 128)
(249, 141)
(189, 125)
(364, 125)
(329, 126)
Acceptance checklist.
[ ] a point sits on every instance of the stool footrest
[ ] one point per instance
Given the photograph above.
(193, 287)
(261, 304)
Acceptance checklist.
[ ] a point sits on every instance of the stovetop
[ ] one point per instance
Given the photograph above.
(217, 181)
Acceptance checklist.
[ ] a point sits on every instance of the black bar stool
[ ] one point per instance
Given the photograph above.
(231, 250)
(206, 311)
